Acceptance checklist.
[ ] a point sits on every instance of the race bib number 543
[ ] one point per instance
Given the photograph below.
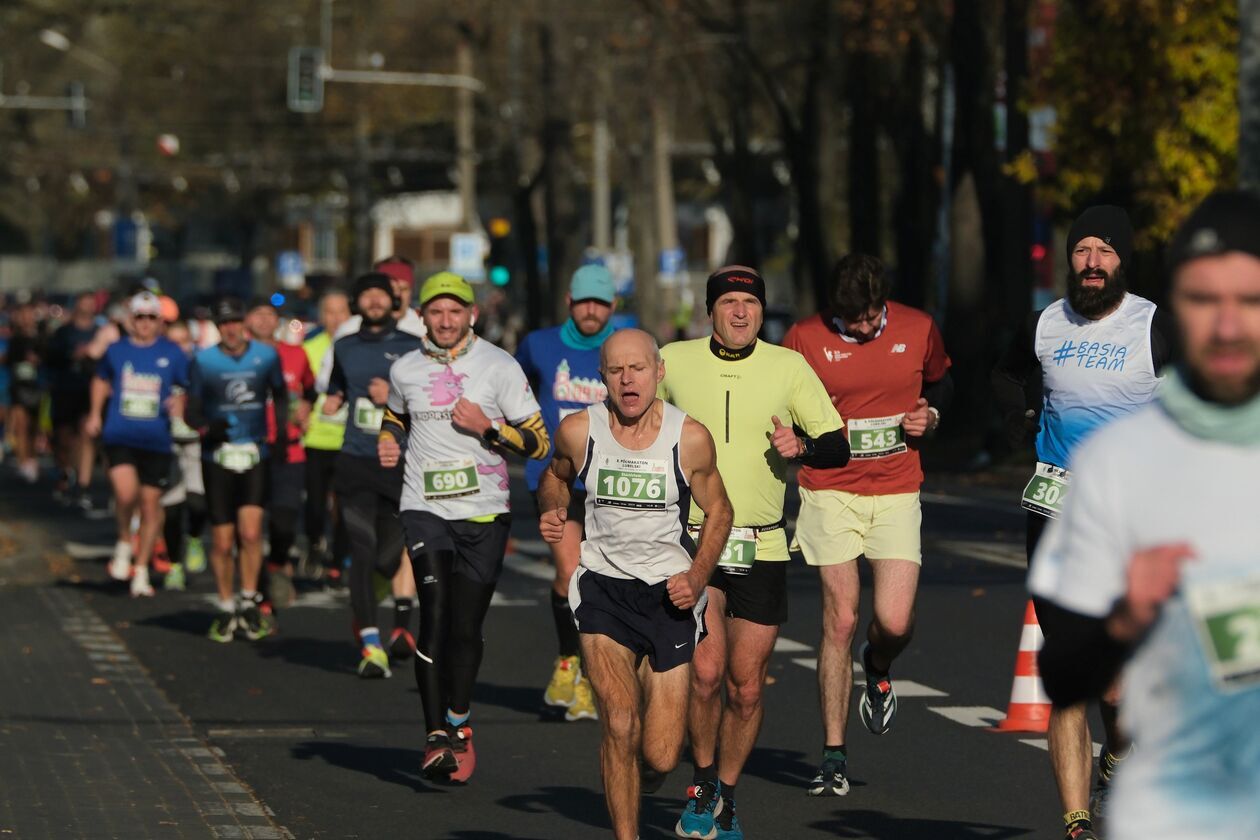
(631, 483)
(877, 437)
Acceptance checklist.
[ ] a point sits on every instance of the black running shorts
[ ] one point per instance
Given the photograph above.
(637, 616)
(478, 546)
(759, 596)
(153, 468)
(227, 491)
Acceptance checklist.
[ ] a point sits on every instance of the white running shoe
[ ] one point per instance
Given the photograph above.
(140, 586)
(120, 563)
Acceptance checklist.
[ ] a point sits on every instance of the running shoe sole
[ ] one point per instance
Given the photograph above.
(440, 765)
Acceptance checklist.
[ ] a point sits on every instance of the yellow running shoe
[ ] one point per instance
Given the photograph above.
(375, 663)
(560, 689)
(583, 707)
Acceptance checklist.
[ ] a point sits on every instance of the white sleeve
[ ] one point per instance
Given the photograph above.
(1081, 561)
(515, 398)
(396, 402)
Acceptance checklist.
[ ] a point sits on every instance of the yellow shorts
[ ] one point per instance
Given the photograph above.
(835, 526)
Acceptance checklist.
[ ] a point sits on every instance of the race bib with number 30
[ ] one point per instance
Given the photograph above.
(450, 479)
(237, 457)
(877, 437)
(1227, 616)
(367, 415)
(1046, 490)
(631, 483)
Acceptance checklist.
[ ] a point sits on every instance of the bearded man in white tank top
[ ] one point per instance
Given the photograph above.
(638, 596)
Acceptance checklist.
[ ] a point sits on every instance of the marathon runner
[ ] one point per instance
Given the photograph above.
(141, 376)
(184, 503)
(26, 390)
(562, 364)
(458, 404)
(640, 590)
(70, 367)
(288, 475)
(368, 495)
(766, 408)
(229, 386)
(1073, 367)
(1153, 558)
(885, 367)
(324, 435)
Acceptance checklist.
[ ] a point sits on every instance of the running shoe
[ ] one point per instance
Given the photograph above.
(564, 676)
(728, 822)
(175, 580)
(223, 627)
(120, 563)
(879, 702)
(334, 579)
(402, 645)
(583, 706)
(704, 803)
(375, 663)
(255, 622)
(83, 500)
(29, 471)
(462, 746)
(1079, 832)
(1101, 794)
(195, 556)
(280, 588)
(439, 758)
(140, 586)
(832, 778)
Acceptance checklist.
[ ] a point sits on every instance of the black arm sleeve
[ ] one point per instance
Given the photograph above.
(940, 393)
(337, 377)
(1016, 381)
(830, 450)
(1164, 347)
(1079, 659)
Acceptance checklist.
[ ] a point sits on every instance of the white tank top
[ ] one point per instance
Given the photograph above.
(637, 502)
(1093, 372)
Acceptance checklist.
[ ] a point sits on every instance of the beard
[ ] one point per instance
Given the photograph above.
(369, 321)
(1092, 303)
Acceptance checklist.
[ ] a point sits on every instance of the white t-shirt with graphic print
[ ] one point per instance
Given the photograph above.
(448, 472)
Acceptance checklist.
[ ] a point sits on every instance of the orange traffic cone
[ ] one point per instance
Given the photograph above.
(1029, 710)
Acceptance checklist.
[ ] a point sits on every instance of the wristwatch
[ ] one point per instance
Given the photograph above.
(936, 416)
(807, 447)
(491, 434)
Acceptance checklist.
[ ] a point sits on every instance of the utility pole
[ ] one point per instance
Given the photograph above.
(1249, 94)
(465, 149)
(601, 194)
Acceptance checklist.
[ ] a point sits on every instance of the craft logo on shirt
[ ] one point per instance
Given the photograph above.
(238, 391)
(577, 389)
(899, 348)
(1091, 354)
(835, 355)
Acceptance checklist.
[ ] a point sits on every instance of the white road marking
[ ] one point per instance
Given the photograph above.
(784, 645)
(1011, 555)
(530, 568)
(978, 716)
(500, 600)
(84, 551)
(905, 688)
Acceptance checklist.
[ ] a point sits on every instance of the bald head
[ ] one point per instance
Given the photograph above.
(634, 342)
(630, 362)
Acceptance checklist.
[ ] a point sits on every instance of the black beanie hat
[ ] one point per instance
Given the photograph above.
(1228, 220)
(734, 278)
(1110, 224)
(373, 280)
(228, 309)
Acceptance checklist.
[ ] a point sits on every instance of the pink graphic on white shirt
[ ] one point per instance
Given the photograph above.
(445, 386)
(498, 470)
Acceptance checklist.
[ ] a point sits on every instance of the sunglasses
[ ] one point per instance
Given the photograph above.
(145, 317)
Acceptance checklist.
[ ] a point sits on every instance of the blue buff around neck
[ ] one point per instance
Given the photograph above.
(572, 336)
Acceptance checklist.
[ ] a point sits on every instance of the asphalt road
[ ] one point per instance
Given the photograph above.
(334, 756)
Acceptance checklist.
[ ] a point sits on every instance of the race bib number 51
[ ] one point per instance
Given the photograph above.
(1046, 490)
(739, 553)
(1227, 616)
(631, 483)
(877, 437)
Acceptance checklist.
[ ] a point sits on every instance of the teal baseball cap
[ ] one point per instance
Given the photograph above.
(593, 282)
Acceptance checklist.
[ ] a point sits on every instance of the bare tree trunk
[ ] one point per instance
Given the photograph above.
(1015, 281)
(1249, 93)
(864, 217)
(914, 206)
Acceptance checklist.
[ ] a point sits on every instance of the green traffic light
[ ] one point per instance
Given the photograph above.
(499, 275)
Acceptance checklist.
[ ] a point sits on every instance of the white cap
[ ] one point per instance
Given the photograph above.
(146, 303)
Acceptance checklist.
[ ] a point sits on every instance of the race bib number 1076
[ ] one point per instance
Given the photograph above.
(631, 483)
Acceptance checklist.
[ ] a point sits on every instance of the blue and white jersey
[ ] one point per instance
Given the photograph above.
(565, 380)
(1092, 372)
(1191, 696)
(141, 380)
(235, 389)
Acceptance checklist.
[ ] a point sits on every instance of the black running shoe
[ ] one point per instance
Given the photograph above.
(439, 758)
(878, 705)
(255, 622)
(832, 779)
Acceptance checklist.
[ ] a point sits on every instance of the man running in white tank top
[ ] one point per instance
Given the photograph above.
(638, 596)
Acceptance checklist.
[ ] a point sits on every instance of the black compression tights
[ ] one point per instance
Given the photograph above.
(376, 543)
(448, 651)
(173, 532)
(282, 532)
